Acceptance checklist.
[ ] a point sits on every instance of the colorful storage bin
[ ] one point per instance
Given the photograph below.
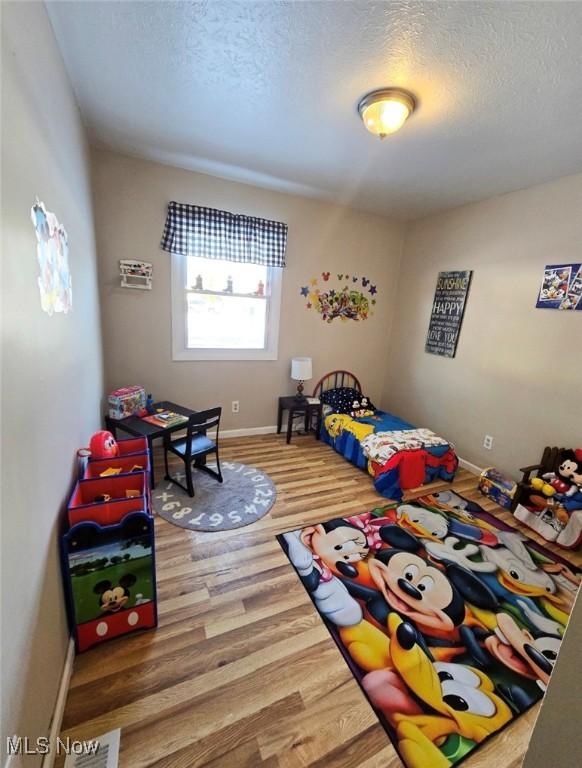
(135, 462)
(131, 446)
(497, 486)
(108, 549)
(110, 578)
(127, 493)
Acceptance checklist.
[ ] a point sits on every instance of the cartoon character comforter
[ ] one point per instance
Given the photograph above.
(394, 452)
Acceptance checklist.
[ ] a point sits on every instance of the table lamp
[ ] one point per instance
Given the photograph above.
(301, 371)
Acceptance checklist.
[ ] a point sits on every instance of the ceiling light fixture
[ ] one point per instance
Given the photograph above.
(385, 111)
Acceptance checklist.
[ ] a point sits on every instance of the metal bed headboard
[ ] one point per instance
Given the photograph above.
(335, 379)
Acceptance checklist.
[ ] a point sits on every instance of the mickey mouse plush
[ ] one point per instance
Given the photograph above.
(570, 470)
(555, 510)
(567, 480)
(361, 408)
(113, 599)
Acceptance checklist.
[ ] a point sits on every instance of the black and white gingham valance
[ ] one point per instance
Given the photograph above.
(193, 230)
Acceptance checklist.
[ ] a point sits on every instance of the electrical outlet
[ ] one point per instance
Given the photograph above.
(235, 406)
(488, 442)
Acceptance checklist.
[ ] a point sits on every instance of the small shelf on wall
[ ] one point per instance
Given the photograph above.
(205, 292)
(136, 274)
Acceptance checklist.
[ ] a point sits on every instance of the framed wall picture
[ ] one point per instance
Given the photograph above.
(561, 287)
(447, 312)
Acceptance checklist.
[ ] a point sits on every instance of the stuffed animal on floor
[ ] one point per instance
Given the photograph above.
(554, 506)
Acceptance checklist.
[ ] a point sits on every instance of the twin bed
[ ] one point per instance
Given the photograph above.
(397, 454)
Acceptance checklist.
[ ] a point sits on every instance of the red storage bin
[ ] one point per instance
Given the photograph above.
(131, 446)
(83, 507)
(124, 463)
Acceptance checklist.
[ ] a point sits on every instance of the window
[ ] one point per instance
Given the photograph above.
(226, 283)
(224, 310)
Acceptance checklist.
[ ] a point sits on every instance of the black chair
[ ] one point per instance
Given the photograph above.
(195, 447)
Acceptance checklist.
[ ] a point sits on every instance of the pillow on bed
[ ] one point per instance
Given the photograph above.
(341, 399)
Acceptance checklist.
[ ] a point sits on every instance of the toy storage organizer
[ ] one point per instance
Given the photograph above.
(107, 549)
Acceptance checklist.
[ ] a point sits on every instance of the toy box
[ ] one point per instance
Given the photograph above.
(108, 548)
(126, 401)
(120, 465)
(498, 487)
(110, 578)
(106, 500)
(129, 447)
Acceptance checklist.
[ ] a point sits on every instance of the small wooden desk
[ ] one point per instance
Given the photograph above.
(294, 407)
(137, 427)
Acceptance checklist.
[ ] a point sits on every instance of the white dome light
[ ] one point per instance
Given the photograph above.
(384, 112)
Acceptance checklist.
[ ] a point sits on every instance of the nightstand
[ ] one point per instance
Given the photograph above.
(295, 407)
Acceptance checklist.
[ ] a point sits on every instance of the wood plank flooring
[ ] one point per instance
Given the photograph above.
(241, 671)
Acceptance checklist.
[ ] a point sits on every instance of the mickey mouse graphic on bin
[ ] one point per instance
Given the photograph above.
(112, 598)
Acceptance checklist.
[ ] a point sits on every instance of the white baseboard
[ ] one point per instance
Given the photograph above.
(248, 431)
(57, 718)
(470, 466)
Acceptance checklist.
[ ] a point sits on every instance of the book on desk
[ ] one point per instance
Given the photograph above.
(166, 419)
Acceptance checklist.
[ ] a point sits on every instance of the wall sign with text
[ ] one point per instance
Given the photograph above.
(447, 312)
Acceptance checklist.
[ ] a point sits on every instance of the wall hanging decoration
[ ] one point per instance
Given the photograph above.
(448, 308)
(136, 274)
(52, 250)
(561, 287)
(354, 300)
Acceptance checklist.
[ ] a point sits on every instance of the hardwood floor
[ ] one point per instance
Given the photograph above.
(241, 671)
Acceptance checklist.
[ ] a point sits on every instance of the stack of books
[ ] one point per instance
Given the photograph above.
(166, 419)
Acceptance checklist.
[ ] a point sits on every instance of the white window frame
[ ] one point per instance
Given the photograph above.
(180, 349)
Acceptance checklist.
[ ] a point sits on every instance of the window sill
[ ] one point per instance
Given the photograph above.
(227, 294)
(186, 355)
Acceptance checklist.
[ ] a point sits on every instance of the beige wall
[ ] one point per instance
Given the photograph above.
(518, 370)
(131, 198)
(51, 366)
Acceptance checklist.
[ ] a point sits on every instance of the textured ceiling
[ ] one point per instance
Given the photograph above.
(266, 92)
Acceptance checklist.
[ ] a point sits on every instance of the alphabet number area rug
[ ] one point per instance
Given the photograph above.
(449, 619)
(245, 495)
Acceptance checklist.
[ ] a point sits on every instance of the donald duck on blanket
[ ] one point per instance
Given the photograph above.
(397, 454)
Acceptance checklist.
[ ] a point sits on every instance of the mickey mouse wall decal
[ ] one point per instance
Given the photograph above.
(346, 302)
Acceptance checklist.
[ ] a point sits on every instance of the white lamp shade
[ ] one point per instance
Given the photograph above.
(301, 368)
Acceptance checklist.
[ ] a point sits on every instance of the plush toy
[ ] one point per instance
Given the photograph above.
(554, 509)
(366, 403)
(361, 408)
(567, 481)
(103, 445)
